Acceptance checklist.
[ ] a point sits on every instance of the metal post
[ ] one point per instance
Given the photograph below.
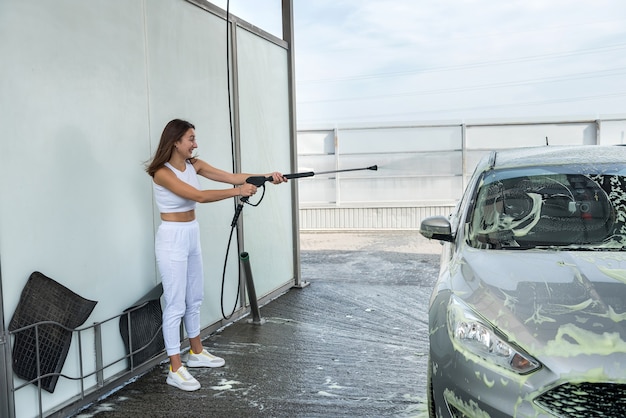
(99, 362)
(288, 36)
(38, 358)
(254, 306)
(7, 400)
(131, 347)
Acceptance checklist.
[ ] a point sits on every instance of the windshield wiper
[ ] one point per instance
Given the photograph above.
(517, 247)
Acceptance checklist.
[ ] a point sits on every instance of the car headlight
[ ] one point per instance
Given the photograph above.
(475, 334)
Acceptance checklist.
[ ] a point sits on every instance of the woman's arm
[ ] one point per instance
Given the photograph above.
(212, 173)
(206, 170)
(166, 178)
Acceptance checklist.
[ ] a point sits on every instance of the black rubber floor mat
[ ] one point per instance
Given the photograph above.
(43, 299)
(146, 330)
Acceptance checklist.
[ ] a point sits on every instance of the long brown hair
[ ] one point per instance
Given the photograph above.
(172, 133)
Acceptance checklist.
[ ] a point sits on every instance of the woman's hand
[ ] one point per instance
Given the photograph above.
(247, 190)
(277, 178)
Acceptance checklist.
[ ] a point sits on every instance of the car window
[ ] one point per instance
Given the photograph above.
(540, 208)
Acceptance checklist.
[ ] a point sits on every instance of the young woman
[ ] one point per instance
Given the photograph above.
(174, 171)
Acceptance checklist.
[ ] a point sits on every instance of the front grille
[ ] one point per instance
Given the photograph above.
(585, 400)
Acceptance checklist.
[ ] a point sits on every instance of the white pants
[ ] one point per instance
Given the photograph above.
(179, 258)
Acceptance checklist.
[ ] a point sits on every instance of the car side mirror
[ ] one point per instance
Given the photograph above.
(437, 227)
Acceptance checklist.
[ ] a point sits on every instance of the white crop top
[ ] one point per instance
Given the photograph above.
(168, 201)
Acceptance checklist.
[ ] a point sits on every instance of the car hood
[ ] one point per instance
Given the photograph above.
(550, 303)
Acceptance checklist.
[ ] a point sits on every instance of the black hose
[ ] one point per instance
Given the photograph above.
(232, 229)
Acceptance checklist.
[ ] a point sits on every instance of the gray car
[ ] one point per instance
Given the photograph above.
(528, 316)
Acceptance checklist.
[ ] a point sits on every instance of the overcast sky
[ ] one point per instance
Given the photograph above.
(452, 60)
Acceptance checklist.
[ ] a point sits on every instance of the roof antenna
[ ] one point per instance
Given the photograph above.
(547, 144)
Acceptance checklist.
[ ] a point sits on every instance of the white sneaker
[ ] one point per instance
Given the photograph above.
(204, 359)
(182, 379)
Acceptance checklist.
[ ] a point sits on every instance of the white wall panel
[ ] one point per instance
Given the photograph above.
(528, 135)
(612, 132)
(401, 191)
(264, 115)
(75, 203)
(399, 139)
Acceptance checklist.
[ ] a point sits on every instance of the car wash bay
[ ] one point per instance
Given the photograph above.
(352, 343)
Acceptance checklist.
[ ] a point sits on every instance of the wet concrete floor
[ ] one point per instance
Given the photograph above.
(351, 344)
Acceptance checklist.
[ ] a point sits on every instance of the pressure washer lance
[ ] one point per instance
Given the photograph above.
(259, 181)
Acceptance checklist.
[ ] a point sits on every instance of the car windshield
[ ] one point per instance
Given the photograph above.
(547, 207)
